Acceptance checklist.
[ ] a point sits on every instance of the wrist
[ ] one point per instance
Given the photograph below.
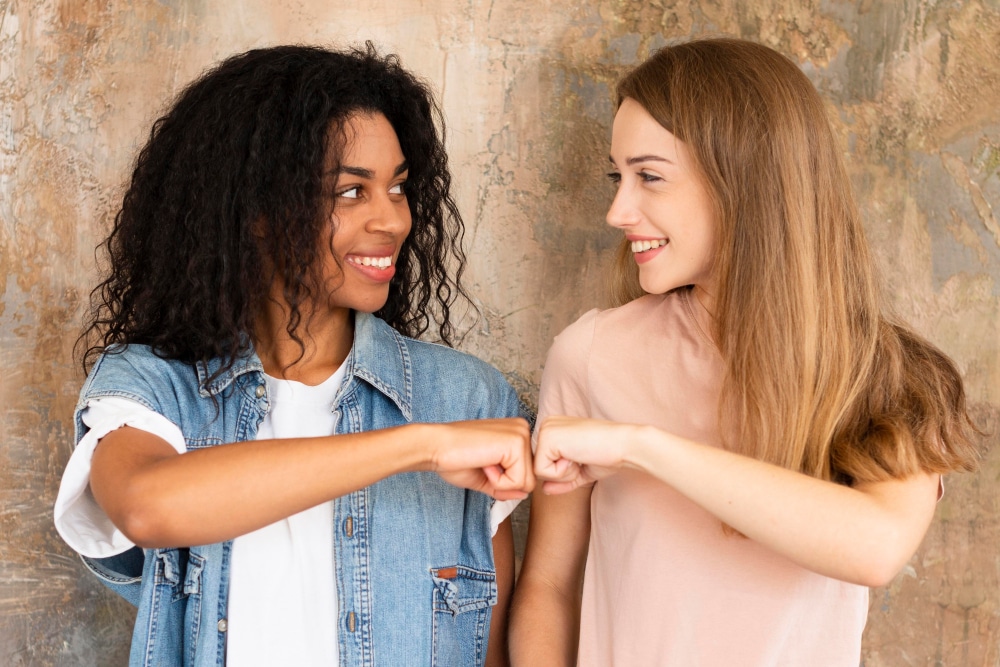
(637, 447)
(421, 447)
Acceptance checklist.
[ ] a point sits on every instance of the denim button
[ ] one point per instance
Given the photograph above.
(260, 391)
(349, 527)
(351, 622)
(223, 625)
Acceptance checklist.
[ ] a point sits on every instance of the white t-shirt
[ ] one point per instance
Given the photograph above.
(282, 606)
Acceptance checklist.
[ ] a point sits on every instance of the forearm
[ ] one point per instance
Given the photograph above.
(218, 493)
(544, 626)
(503, 559)
(545, 613)
(863, 535)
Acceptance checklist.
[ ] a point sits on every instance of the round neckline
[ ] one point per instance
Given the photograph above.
(281, 389)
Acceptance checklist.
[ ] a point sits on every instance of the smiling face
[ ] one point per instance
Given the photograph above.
(662, 204)
(370, 218)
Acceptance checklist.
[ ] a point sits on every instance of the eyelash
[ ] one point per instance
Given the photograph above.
(343, 193)
(646, 177)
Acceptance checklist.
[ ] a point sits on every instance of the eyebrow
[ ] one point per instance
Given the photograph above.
(642, 158)
(361, 172)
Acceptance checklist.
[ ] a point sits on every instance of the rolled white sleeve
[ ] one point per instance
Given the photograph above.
(501, 510)
(79, 520)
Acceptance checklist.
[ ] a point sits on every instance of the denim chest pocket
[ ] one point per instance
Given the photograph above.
(462, 605)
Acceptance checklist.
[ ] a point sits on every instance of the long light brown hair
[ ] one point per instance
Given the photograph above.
(818, 378)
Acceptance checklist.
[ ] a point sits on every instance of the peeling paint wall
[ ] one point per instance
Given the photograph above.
(913, 88)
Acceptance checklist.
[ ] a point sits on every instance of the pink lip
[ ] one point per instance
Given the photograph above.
(647, 256)
(374, 273)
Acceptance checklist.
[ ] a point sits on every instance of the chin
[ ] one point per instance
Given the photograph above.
(655, 287)
(369, 306)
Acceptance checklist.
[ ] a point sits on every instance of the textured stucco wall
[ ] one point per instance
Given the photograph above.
(913, 87)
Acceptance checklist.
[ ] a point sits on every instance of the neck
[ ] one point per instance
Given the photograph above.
(325, 341)
(705, 310)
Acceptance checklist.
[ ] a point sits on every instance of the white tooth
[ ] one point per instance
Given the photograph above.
(367, 261)
(646, 245)
(383, 262)
(635, 246)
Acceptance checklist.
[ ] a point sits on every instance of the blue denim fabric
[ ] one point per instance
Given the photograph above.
(415, 574)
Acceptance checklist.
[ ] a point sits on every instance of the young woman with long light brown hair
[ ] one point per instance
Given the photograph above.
(748, 441)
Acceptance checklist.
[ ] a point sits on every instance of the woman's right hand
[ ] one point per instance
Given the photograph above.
(159, 498)
(492, 456)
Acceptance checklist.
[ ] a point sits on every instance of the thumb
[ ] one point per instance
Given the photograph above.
(494, 474)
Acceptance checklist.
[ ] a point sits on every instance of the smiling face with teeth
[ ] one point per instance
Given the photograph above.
(662, 205)
(370, 216)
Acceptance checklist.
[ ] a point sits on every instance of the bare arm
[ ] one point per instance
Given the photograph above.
(545, 618)
(503, 557)
(863, 534)
(159, 498)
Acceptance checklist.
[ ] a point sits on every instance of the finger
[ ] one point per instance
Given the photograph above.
(493, 473)
(556, 470)
(515, 470)
(529, 467)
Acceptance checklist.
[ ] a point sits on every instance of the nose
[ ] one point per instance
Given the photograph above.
(390, 214)
(623, 212)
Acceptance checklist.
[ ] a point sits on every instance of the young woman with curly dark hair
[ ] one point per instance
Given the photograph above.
(258, 433)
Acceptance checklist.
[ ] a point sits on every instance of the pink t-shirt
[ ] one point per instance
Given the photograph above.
(664, 584)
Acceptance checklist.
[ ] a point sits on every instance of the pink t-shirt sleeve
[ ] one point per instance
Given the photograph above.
(564, 389)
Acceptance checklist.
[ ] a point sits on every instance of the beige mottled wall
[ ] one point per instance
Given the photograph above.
(913, 88)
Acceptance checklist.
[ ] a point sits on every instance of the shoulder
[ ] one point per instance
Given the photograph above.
(651, 308)
(450, 360)
(459, 384)
(600, 327)
(138, 373)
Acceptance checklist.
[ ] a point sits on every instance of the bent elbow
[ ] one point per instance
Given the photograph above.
(876, 577)
(146, 523)
(881, 566)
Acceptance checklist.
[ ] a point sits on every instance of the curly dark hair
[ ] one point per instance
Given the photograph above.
(231, 181)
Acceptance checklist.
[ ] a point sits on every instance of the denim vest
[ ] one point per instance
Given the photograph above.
(414, 573)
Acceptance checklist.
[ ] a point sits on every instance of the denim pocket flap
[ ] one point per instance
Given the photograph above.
(179, 570)
(458, 589)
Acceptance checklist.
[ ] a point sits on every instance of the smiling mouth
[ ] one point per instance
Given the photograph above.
(377, 262)
(644, 246)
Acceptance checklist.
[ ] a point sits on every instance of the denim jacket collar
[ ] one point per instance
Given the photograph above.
(379, 357)
(213, 386)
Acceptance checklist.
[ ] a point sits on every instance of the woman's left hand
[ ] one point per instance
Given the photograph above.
(574, 452)
(862, 534)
